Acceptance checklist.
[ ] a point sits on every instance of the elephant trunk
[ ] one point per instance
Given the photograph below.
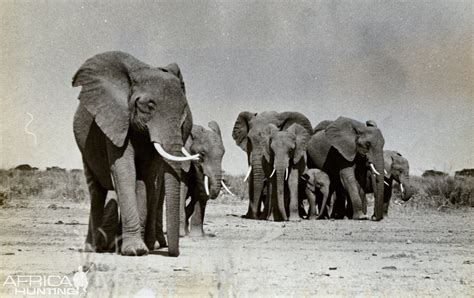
(172, 195)
(255, 187)
(325, 191)
(215, 180)
(378, 182)
(408, 189)
(280, 181)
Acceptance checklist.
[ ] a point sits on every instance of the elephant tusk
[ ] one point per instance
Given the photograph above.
(248, 174)
(185, 152)
(273, 173)
(227, 189)
(402, 188)
(372, 167)
(286, 174)
(386, 183)
(168, 156)
(385, 171)
(206, 184)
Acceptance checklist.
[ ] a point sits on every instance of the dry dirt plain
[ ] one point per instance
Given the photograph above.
(410, 253)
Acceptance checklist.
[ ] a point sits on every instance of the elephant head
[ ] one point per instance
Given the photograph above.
(398, 169)
(248, 133)
(128, 98)
(208, 144)
(350, 138)
(285, 149)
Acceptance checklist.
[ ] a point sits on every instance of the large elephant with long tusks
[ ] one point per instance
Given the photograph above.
(286, 155)
(334, 147)
(248, 133)
(130, 127)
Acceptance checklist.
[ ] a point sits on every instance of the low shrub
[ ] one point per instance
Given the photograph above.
(27, 185)
(445, 191)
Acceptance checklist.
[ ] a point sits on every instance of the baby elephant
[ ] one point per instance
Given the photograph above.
(315, 188)
(203, 179)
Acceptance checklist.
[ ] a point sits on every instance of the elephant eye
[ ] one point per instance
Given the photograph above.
(151, 105)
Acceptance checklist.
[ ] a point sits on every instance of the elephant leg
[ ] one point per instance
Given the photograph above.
(339, 204)
(387, 195)
(267, 206)
(155, 223)
(95, 240)
(312, 204)
(256, 183)
(363, 197)
(351, 186)
(197, 219)
(141, 193)
(330, 204)
(293, 193)
(111, 225)
(123, 172)
(183, 229)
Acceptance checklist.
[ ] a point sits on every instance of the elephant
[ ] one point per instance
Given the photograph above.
(334, 148)
(285, 153)
(203, 180)
(248, 134)
(315, 188)
(130, 126)
(396, 169)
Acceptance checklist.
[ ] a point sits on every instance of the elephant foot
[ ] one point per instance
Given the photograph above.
(313, 217)
(88, 247)
(197, 234)
(196, 231)
(374, 218)
(158, 245)
(182, 232)
(250, 215)
(133, 246)
(359, 216)
(294, 219)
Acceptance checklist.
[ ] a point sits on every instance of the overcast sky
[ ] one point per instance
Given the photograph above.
(407, 65)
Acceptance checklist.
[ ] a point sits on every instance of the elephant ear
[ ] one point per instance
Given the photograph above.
(322, 125)
(186, 165)
(388, 161)
(370, 123)
(305, 177)
(302, 138)
(289, 118)
(106, 80)
(241, 129)
(186, 123)
(174, 69)
(342, 136)
(214, 126)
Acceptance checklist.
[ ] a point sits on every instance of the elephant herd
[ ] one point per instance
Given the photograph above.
(135, 131)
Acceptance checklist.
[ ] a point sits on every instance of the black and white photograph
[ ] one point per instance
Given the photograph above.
(256, 148)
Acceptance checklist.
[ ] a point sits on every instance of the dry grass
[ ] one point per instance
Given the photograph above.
(443, 191)
(20, 187)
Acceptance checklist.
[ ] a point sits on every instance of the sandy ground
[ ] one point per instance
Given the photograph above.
(410, 253)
